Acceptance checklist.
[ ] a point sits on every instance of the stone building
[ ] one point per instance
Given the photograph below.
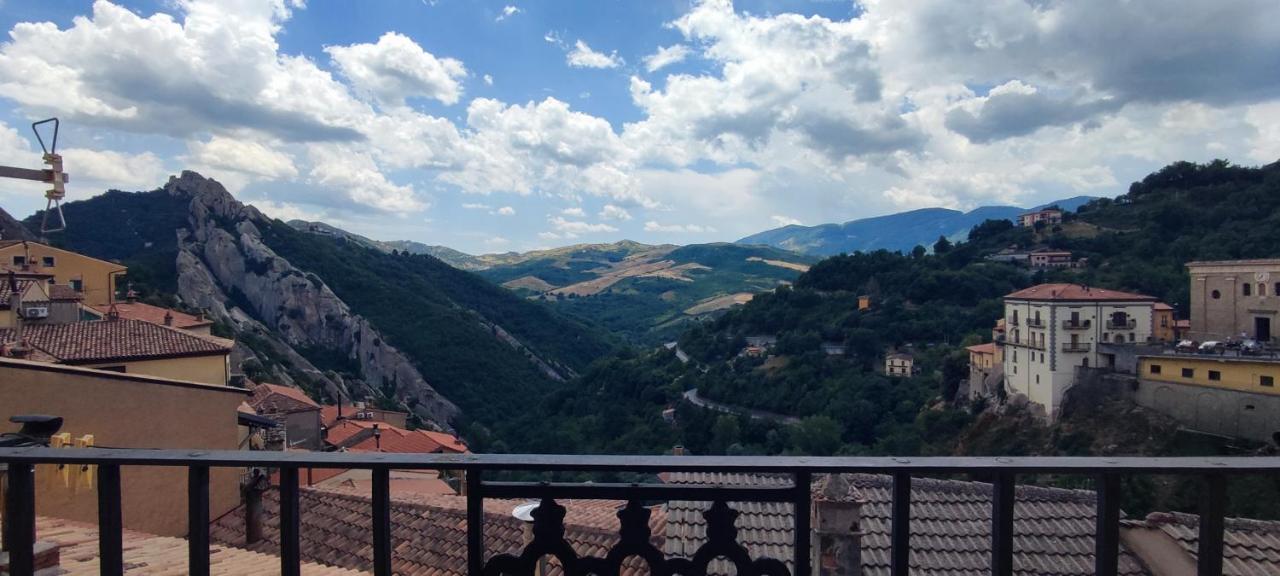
(1234, 298)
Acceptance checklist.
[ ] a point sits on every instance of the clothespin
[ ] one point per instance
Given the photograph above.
(62, 440)
(87, 471)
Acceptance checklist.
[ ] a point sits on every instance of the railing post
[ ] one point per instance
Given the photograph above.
(110, 521)
(900, 560)
(1106, 533)
(804, 534)
(198, 520)
(290, 556)
(20, 519)
(475, 522)
(381, 521)
(1213, 507)
(1002, 524)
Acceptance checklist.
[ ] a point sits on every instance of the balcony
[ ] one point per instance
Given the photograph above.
(1012, 321)
(1035, 323)
(790, 486)
(1077, 324)
(1075, 347)
(1129, 324)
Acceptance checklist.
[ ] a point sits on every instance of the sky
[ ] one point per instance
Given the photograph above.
(491, 126)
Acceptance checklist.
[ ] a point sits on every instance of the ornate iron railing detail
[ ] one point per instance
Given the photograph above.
(635, 536)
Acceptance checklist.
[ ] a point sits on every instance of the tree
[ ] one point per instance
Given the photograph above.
(724, 433)
(942, 246)
(919, 252)
(817, 436)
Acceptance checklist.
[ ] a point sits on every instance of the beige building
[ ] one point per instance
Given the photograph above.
(1047, 215)
(985, 363)
(1234, 298)
(93, 278)
(125, 346)
(36, 301)
(126, 410)
(899, 364)
(1051, 329)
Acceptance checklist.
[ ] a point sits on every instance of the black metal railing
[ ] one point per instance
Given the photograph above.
(1075, 347)
(1129, 324)
(1035, 323)
(20, 513)
(1076, 324)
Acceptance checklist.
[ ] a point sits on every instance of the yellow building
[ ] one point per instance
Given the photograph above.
(93, 278)
(128, 411)
(125, 346)
(1164, 327)
(1242, 374)
(36, 301)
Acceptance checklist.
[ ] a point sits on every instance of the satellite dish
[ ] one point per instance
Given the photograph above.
(524, 512)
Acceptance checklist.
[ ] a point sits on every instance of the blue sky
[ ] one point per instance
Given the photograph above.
(513, 125)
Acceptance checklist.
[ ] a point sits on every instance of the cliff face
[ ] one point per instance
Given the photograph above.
(225, 268)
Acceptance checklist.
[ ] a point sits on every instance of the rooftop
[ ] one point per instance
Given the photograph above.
(116, 340)
(154, 314)
(1253, 262)
(274, 398)
(1075, 292)
(988, 348)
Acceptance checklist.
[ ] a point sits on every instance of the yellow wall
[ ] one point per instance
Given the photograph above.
(95, 275)
(1236, 374)
(127, 411)
(204, 369)
(1162, 325)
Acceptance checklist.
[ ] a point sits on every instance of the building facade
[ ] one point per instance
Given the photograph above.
(1223, 395)
(985, 361)
(1234, 299)
(899, 364)
(94, 279)
(1049, 216)
(1050, 259)
(1051, 329)
(1165, 324)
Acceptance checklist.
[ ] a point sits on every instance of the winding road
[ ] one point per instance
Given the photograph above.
(693, 398)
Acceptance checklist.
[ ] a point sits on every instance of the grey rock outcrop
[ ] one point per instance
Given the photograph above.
(225, 268)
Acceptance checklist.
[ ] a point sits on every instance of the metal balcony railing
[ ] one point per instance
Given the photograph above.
(20, 513)
(1075, 346)
(1035, 323)
(1129, 324)
(1077, 325)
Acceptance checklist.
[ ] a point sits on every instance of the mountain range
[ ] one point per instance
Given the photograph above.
(895, 232)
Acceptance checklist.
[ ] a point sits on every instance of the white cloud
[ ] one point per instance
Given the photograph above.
(99, 169)
(397, 68)
(288, 211)
(666, 56)
(573, 228)
(222, 153)
(506, 211)
(354, 175)
(496, 241)
(781, 220)
(652, 226)
(475, 206)
(488, 80)
(576, 212)
(507, 12)
(582, 56)
(611, 212)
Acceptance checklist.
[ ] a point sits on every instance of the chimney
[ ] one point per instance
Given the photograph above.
(377, 438)
(253, 488)
(168, 318)
(678, 450)
(837, 535)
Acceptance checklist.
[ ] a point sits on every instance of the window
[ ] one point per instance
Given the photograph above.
(1275, 289)
(1131, 336)
(1262, 289)
(19, 260)
(1188, 372)
(1216, 294)
(1155, 368)
(77, 285)
(1215, 375)
(1164, 321)
(1037, 378)
(1267, 381)
(47, 261)
(1246, 289)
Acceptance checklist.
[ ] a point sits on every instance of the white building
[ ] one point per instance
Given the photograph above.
(1051, 329)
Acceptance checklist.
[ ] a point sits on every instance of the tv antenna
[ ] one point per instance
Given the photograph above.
(52, 175)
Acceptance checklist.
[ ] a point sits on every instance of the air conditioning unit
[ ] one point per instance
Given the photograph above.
(36, 312)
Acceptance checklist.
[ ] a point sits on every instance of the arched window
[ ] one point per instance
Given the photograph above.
(1262, 288)
(1216, 294)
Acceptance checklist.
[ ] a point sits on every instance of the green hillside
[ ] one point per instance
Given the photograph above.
(646, 293)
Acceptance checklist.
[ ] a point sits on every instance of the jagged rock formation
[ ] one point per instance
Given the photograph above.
(225, 268)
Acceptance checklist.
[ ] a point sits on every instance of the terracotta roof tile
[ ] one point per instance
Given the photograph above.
(950, 526)
(277, 399)
(1075, 292)
(150, 555)
(354, 435)
(123, 339)
(154, 314)
(428, 534)
(1250, 547)
(988, 348)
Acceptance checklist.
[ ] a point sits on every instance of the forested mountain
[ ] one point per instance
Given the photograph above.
(646, 293)
(932, 304)
(894, 232)
(331, 314)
